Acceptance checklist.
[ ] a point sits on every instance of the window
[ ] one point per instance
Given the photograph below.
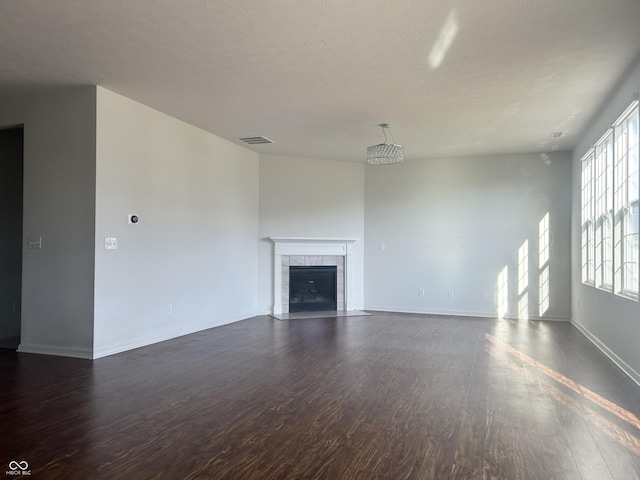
(604, 211)
(630, 251)
(627, 196)
(588, 228)
(610, 197)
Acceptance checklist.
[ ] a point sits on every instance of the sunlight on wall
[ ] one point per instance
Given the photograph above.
(523, 281)
(543, 241)
(544, 291)
(523, 307)
(503, 292)
(523, 267)
(544, 247)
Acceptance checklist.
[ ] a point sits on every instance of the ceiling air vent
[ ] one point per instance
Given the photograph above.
(255, 140)
(557, 134)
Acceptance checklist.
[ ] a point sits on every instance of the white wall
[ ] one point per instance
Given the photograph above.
(610, 321)
(59, 185)
(455, 223)
(302, 197)
(195, 246)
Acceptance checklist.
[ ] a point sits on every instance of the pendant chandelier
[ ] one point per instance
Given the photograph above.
(385, 153)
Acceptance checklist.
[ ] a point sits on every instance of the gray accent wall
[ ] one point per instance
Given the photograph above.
(611, 321)
(439, 233)
(59, 204)
(10, 231)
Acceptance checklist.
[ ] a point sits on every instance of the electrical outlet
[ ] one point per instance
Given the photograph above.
(34, 243)
(450, 294)
(110, 243)
(169, 308)
(421, 292)
(382, 247)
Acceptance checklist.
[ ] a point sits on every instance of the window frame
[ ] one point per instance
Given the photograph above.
(610, 208)
(588, 226)
(624, 154)
(604, 211)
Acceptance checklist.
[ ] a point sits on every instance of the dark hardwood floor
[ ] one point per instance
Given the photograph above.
(389, 396)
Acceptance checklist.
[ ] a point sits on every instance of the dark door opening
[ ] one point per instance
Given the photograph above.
(312, 288)
(11, 180)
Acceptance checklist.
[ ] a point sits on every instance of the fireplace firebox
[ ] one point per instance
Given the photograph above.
(312, 288)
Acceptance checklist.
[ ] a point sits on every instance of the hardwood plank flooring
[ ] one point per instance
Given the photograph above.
(387, 396)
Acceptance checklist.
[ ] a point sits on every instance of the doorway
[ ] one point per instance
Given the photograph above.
(11, 192)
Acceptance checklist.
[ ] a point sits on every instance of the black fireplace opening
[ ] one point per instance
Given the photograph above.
(312, 288)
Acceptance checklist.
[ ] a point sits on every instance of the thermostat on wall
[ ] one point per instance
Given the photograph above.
(133, 218)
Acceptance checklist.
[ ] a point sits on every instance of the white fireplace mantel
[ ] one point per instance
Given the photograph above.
(313, 247)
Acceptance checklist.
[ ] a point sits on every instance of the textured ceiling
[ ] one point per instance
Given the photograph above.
(317, 76)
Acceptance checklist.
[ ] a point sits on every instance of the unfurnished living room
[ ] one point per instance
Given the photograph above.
(320, 239)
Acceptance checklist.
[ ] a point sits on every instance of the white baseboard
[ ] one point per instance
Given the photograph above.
(630, 372)
(130, 345)
(166, 335)
(429, 312)
(463, 313)
(54, 350)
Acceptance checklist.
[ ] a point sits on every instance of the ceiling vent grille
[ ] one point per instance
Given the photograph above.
(255, 140)
(557, 134)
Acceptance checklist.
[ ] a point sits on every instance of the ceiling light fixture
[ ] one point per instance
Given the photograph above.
(385, 153)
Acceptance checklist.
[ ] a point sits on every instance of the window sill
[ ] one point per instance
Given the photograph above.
(629, 295)
(605, 288)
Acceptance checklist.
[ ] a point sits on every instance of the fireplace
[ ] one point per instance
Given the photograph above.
(312, 288)
(291, 252)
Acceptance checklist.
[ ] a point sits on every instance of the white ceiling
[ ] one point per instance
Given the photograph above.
(318, 76)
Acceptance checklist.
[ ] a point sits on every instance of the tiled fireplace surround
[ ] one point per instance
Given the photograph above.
(300, 251)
